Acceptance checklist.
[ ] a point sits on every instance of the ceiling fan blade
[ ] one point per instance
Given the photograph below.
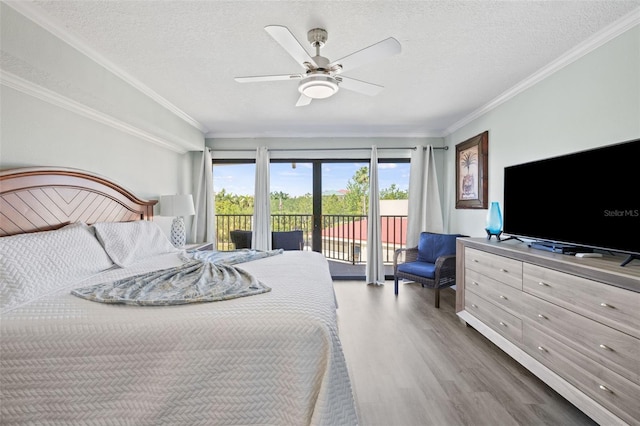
(252, 79)
(303, 100)
(359, 86)
(293, 47)
(375, 52)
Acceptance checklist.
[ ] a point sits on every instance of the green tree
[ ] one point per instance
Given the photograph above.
(356, 199)
(279, 195)
(393, 193)
(278, 201)
(233, 204)
(333, 204)
(301, 205)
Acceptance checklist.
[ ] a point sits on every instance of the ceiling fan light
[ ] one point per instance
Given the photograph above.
(318, 86)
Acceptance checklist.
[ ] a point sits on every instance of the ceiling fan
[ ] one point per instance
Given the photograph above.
(321, 78)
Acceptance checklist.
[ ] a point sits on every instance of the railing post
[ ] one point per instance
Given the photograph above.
(353, 244)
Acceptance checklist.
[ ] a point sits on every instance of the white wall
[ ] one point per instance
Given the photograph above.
(36, 133)
(61, 108)
(394, 207)
(592, 102)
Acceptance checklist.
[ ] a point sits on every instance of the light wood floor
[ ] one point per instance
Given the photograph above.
(412, 364)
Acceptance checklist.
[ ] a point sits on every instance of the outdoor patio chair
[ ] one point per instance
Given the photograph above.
(432, 263)
(241, 239)
(288, 240)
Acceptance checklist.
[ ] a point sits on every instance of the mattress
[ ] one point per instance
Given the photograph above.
(273, 358)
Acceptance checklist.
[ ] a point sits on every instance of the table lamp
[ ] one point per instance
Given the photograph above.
(177, 206)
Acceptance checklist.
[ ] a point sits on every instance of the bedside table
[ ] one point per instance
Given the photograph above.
(198, 246)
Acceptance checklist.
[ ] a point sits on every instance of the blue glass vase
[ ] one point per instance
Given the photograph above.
(494, 221)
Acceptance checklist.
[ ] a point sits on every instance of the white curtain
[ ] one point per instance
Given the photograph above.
(375, 266)
(203, 226)
(261, 237)
(425, 211)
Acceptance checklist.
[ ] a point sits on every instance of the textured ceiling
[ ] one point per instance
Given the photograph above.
(457, 56)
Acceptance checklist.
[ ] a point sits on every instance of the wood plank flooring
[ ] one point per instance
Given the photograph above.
(412, 364)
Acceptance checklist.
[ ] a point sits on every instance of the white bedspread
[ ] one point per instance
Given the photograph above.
(273, 358)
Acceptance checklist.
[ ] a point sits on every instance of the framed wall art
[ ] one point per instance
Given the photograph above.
(472, 172)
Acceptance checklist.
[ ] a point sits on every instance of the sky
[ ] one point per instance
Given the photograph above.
(239, 178)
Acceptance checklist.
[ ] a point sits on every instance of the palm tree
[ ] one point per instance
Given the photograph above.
(467, 159)
(357, 188)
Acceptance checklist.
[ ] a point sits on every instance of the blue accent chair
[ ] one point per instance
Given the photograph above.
(432, 263)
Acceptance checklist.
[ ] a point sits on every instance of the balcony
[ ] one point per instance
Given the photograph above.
(344, 237)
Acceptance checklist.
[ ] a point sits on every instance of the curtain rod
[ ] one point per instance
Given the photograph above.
(446, 148)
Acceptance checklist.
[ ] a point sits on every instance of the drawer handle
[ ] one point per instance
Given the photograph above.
(605, 347)
(475, 260)
(604, 388)
(474, 283)
(606, 305)
(503, 270)
(502, 297)
(543, 284)
(541, 316)
(541, 349)
(503, 324)
(473, 305)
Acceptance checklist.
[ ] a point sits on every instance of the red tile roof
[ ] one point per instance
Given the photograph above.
(394, 230)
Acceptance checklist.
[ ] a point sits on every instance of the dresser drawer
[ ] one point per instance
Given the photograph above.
(500, 294)
(498, 319)
(613, 349)
(607, 304)
(503, 269)
(603, 385)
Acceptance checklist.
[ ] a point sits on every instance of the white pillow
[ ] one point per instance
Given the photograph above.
(39, 263)
(130, 242)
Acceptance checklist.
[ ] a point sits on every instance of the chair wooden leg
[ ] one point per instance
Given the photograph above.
(437, 297)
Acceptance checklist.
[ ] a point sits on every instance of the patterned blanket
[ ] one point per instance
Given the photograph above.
(231, 257)
(206, 276)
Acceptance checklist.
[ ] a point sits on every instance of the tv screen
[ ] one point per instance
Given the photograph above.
(589, 198)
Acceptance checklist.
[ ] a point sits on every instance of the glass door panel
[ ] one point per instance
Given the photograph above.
(345, 187)
(233, 186)
(291, 185)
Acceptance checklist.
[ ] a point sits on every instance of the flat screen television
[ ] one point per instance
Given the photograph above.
(587, 199)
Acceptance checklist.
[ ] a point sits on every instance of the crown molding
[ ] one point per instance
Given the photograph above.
(309, 135)
(41, 18)
(24, 86)
(597, 40)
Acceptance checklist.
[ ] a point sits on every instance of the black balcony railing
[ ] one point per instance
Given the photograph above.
(230, 222)
(344, 237)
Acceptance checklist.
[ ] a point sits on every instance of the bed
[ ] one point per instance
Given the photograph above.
(271, 358)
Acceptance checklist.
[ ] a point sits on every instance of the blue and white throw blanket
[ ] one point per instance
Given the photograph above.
(207, 276)
(231, 257)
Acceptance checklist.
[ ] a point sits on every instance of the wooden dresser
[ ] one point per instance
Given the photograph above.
(573, 322)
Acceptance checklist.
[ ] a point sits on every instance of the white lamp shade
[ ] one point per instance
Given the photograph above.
(176, 205)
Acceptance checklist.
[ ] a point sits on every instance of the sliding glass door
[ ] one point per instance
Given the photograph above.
(326, 199)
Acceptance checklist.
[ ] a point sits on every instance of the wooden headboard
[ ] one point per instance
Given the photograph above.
(39, 199)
